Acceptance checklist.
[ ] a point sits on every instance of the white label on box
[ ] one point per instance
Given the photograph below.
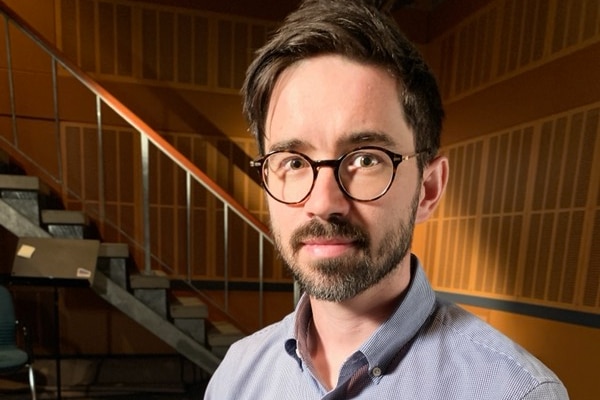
(83, 273)
(25, 251)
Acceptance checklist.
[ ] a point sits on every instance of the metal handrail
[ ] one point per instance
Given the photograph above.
(147, 136)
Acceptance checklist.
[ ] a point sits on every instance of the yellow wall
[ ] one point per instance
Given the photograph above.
(537, 63)
(516, 74)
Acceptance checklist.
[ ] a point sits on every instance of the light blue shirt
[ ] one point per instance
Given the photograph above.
(427, 349)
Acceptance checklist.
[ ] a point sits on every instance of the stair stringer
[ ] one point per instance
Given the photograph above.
(18, 224)
(163, 329)
(124, 301)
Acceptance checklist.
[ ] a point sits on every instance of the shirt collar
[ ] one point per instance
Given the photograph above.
(404, 323)
(297, 335)
(385, 343)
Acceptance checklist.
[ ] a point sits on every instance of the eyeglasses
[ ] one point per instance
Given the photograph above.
(363, 174)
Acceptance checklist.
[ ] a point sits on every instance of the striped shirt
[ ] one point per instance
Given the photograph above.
(427, 349)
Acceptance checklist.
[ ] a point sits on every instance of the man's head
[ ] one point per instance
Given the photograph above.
(356, 30)
(345, 110)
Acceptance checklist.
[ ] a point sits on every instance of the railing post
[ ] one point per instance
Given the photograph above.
(101, 194)
(226, 254)
(188, 214)
(145, 161)
(11, 88)
(57, 125)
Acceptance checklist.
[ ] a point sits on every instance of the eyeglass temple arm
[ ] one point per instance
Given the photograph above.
(399, 157)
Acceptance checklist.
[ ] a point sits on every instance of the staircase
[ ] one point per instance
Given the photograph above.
(127, 268)
(180, 321)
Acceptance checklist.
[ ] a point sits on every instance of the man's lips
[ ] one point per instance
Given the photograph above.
(327, 247)
(328, 239)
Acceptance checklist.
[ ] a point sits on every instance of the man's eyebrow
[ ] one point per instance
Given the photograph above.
(363, 138)
(292, 144)
(368, 138)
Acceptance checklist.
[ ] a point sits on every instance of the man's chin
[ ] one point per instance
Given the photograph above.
(327, 257)
(333, 291)
(330, 268)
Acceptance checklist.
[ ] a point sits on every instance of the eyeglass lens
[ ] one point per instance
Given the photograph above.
(363, 174)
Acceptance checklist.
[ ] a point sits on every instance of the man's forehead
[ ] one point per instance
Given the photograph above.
(337, 103)
(343, 143)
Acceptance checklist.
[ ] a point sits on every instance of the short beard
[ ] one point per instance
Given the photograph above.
(342, 278)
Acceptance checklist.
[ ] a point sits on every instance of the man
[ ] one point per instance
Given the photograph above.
(348, 118)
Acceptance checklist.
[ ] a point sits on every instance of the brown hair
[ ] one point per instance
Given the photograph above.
(360, 31)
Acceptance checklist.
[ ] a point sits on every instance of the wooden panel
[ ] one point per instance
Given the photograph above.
(512, 36)
(159, 43)
(519, 219)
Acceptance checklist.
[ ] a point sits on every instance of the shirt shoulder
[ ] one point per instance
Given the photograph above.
(250, 362)
(477, 346)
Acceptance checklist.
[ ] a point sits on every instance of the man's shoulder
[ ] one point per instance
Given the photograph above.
(462, 325)
(252, 362)
(471, 338)
(264, 338)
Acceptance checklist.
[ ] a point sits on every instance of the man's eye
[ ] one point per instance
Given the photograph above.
(293, 163)
(364, 160)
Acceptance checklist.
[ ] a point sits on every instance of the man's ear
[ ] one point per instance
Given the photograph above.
(435, 178)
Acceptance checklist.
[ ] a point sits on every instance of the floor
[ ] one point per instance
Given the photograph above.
(93, 393)
(157, 378)
(100, 396)
(122, 396)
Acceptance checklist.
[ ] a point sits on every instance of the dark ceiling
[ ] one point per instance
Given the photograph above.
(421, 20)
(277, 9)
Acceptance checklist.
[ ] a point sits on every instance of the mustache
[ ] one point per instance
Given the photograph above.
(334, 228)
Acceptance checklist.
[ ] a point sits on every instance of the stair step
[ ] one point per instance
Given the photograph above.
(188, 307)
(155, 299)
(112, 262)
(155, 280)
(113, 250)
(19, 182)
(65, 223)
(63, 217)
(223, 333)
(189, 313)
(194, 327)
(21, 192)
(151, 289)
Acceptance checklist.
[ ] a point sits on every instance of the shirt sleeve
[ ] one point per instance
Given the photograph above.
(220, 383)
(548, 391)
(212, 390)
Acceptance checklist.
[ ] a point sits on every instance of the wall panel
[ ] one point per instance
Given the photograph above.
(508, 37)
(524, 202)
(135, 41)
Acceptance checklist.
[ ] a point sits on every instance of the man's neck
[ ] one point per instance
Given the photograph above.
(339, 329)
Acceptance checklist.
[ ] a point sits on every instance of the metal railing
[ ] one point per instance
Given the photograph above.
(150, 147)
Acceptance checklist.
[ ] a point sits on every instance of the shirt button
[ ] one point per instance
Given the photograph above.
(376, 371)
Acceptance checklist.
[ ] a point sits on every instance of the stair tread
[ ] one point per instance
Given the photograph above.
(66, 217)
(19, 182)
(223, 333)
(156, 280)
(188, 307)
(113, 250)
(225, 328)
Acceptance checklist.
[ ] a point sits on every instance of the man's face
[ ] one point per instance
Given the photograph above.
(324, 107)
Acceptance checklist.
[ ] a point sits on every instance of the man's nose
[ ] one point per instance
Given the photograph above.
(326, 198)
